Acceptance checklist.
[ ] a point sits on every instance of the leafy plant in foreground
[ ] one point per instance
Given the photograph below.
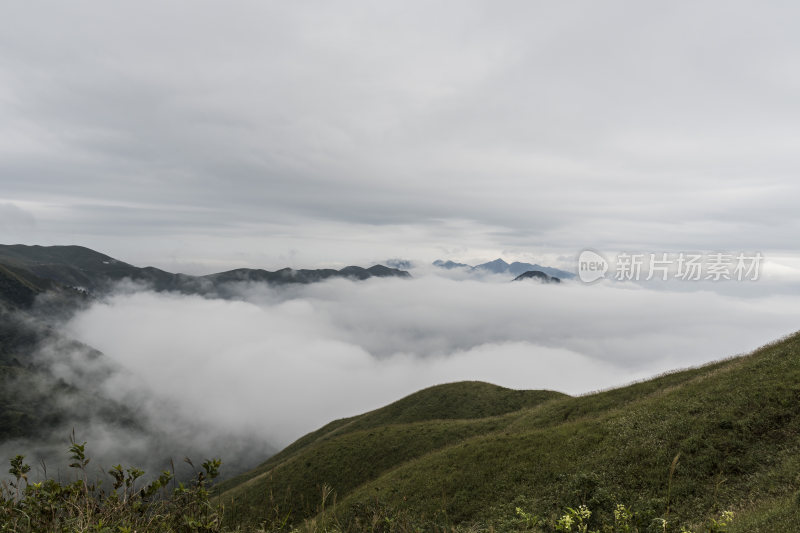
(81, 506)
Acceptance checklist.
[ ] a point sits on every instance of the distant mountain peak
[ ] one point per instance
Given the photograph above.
(400, 264)
(499, 266)
(449, 265)
(537, 275)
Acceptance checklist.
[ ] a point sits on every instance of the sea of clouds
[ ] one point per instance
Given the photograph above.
(273, 363)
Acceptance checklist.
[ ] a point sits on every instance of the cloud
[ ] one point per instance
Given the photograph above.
(13, 217)
(280, 362)
(462, 126)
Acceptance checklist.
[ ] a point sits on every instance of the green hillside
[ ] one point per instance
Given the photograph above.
(350, 451)
(471, 453)
(78, 266)
(18, 289)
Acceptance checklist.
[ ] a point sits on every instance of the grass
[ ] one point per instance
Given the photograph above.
(349, 452)
(735, 424)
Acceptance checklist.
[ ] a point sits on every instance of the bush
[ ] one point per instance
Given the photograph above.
(81, 506)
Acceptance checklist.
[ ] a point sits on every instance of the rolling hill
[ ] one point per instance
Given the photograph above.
(471, 453)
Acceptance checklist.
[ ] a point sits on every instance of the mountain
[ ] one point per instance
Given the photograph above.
(288, 275)
(449, 265)
(499, 266)
(400, 264)
(683, 446)
(537, 275)
(82, 268)
(18, 288)
(30, 268)
(517, 268)
(35, 402)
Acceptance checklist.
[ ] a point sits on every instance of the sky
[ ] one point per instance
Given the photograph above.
(200, 136)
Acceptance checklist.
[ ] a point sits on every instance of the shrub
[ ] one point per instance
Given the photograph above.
(82, 506)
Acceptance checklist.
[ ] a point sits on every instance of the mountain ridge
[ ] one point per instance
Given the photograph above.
(499, 266)
(737, 419)
(82, 268)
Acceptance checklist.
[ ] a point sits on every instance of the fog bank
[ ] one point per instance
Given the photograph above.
(280, 362)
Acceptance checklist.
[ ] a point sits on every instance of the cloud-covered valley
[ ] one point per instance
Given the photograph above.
(279, 362)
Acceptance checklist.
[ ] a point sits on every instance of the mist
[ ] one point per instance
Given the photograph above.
(274, 363)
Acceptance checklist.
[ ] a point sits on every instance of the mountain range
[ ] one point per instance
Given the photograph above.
(499, 266)
(28, 270)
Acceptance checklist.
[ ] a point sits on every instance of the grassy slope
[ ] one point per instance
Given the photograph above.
(736, 424)
(348, 452)
(76, 266)
(18, 289)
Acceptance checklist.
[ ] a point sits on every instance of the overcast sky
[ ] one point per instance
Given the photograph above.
(197, 135)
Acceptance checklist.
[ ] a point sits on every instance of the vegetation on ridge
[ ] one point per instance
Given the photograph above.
(734, 423)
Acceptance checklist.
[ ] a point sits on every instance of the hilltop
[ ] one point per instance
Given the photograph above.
(470, 453)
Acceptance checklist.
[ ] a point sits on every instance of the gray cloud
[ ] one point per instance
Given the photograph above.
(13, 217)
(543, 125)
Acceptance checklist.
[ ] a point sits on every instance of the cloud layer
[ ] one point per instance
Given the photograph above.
(281, 362)
(279, 134)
